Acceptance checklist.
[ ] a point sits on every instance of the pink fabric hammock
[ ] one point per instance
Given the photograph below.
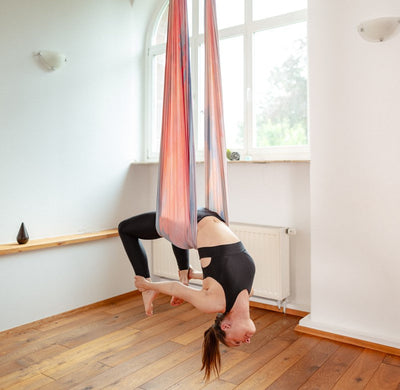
(176, 214)
(214, 131)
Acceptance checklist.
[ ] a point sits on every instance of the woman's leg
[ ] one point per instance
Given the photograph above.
(182, 257)
(131, 230)
(143, 226)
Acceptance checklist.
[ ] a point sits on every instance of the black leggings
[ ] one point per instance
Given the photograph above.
(143, 226)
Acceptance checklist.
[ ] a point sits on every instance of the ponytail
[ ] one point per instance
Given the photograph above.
(211, 356)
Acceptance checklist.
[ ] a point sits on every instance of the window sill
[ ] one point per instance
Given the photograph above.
(234, 162)
(267, 161)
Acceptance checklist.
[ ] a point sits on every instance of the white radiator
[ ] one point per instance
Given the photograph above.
(269, 247)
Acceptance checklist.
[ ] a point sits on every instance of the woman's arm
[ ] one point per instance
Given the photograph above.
(198, 298)
(187, 274)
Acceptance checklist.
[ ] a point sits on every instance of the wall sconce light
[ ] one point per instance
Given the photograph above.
(380, 29)
(52, 60)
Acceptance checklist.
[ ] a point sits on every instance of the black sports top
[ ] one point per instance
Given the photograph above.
(202, 212)
(232, 267)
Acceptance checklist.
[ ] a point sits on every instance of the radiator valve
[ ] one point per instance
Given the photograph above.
(291, 231)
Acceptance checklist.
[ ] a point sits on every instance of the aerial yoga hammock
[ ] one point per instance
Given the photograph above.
(176, 211)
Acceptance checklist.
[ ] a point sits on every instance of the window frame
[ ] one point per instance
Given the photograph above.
(272, 153)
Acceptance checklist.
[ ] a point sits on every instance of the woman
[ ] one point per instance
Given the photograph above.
(228, 273)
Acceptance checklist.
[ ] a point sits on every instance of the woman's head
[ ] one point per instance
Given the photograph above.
(230, 332)
(237, 330)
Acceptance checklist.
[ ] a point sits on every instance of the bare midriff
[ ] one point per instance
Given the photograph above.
(213, 232)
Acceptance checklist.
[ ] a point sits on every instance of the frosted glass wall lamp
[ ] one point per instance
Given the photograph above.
(52, 60)
(380, 29)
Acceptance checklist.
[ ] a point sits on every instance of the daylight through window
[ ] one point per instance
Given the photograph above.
(263, 53)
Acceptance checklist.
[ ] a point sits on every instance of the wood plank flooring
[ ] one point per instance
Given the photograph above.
(115, 346)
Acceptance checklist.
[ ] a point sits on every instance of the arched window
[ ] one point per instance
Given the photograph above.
(263, 52)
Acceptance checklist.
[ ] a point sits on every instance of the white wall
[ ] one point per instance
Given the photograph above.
(355, 186)
(265, 194)
(67, 139)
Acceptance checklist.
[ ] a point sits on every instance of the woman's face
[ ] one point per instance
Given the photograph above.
(238, 332)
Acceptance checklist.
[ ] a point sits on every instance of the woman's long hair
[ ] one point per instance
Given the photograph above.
(211, 356)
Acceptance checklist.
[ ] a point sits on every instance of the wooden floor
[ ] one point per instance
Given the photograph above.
(113, 346)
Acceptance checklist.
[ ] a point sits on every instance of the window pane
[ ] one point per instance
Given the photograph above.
(200, 100)
(280, 87)
(160, 34)
(231, 58)
(231, 54)
(266, 8)
(233, 17)
(190, 15)
(225, 19)
(158, 91)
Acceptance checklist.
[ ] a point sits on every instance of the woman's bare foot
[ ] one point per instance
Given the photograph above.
(184, 276)
(148, 297)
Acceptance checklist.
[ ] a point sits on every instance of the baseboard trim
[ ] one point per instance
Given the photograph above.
(348, 340)
(56, 317)
(266, 306)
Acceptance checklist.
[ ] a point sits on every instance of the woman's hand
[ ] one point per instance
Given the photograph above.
(195, 274)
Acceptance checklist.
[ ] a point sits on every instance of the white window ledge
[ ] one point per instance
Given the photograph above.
(233, 162)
